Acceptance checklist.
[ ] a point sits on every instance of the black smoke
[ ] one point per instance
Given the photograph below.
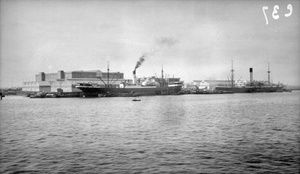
(140, 61)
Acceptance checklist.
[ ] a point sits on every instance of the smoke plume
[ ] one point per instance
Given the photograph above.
(166, 41)
(139, 62)
(161, 43)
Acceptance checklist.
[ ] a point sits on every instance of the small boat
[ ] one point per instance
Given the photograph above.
(2, 95)
(38, 95)
(136, 99)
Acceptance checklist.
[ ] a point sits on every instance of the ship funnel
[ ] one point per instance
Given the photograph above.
(134, 78)
(251, 74)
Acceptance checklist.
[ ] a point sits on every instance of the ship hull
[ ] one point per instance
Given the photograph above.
(138, 91)
(250, 89)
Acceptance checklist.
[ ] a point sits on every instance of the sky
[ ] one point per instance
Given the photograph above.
(193, 40)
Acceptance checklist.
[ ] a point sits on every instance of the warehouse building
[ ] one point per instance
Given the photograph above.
(66, 81)
(212, 84)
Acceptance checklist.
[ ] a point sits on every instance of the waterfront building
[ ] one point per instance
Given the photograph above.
(212, 84)
(66, 81)
(206, 84)
(191, 86)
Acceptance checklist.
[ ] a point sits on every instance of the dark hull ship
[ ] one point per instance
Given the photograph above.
(250, 89)
(124, 89)
(252, 86)
(96, 90)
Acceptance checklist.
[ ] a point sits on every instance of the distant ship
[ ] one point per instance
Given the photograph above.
(148, 87)
(249, 88)
(252, 86)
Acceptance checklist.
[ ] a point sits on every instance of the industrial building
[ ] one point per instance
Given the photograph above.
(66, 81)
(212, 84)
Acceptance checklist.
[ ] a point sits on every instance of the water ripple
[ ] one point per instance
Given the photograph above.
(240, 133)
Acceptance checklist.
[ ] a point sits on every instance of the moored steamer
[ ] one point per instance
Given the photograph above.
(96, 90)
(252, 86)
(146, 88)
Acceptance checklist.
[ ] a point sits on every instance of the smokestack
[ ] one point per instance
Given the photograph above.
(61, 74)
(42, 76)
(251, 74)
(134, 77)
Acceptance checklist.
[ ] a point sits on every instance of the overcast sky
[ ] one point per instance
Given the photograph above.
(193, 40)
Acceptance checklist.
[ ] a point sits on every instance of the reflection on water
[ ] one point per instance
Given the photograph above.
(238, 133)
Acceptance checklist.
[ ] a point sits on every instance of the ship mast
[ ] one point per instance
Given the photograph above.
(232, 76)
(108, 74)
(162, 75)
(268, 73)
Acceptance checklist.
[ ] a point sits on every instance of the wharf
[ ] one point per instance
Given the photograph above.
(51, 94)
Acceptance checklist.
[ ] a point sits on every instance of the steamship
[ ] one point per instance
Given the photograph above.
(146, 88)
(252, 86)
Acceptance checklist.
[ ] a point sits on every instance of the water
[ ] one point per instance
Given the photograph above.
(232, 133)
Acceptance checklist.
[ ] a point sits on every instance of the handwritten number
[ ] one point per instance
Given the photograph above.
(276, 7)
(264, 8)
(275, 14)
(290, 7)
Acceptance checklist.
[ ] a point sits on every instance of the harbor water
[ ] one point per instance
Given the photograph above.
(231, 133)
